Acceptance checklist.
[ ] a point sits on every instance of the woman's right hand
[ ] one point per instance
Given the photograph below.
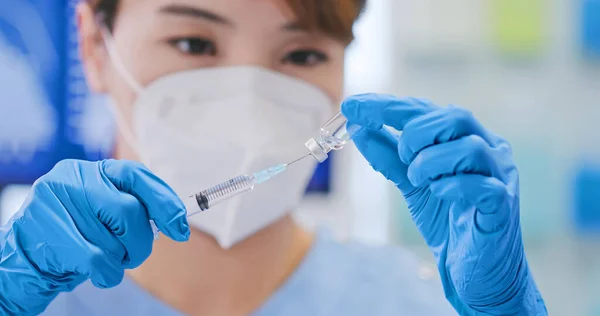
(83, 220)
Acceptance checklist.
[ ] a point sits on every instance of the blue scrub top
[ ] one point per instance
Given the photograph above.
(333, 279)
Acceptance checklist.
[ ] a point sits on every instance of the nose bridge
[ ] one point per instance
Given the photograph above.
(248, 52)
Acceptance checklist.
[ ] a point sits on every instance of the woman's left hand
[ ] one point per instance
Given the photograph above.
(462, 189)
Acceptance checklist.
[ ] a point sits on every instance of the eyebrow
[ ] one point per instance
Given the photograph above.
(193, 12)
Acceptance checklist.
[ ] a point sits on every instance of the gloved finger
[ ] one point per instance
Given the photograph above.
(489, 195)
(131, 225)
(379, 149)
(467, 155)
(440, 126)
(375, 110)
(161, 202)
(95, 196)
(105, 269)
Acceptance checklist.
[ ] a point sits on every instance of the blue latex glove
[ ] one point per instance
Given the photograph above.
(462, 190)
(83, 220)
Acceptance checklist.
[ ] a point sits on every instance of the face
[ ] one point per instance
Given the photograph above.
(159, 37)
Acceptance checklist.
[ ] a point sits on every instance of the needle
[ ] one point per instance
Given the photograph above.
(295, 161)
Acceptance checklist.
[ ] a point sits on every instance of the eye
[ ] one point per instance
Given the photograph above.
(305, 58)
(194, 46)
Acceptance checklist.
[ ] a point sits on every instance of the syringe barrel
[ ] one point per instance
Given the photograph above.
(220, 192)
(334, 134)
(223, 191)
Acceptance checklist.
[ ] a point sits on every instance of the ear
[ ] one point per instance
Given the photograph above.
(91, 47)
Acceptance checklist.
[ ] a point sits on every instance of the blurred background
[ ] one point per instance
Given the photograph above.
(528, 69)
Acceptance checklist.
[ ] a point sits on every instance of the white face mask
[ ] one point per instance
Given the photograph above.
(198, 128)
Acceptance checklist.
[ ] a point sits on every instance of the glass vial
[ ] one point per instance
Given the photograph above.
(334, 134)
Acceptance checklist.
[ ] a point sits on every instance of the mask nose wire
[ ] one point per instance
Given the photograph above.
(117, 62)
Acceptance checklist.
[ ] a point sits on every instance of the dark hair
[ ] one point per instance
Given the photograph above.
(106, 10)
(332, 17)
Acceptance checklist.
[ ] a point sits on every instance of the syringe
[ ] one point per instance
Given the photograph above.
(230, 188)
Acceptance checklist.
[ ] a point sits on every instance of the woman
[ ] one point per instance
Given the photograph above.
(208, 89)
